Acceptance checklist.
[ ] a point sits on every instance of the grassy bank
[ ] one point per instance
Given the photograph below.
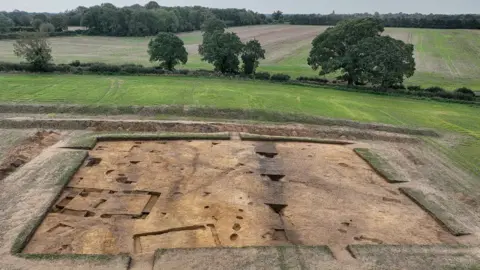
(221, 93)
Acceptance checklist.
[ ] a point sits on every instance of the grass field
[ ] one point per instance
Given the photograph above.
(149, 90)
(448, 58)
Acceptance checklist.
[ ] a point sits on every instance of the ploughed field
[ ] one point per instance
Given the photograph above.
(446, 58)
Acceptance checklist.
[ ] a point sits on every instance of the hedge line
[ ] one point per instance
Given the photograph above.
(20, 34)
(462, 95)
(77, 67)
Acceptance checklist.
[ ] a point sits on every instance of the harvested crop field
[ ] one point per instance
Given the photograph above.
(447, 58)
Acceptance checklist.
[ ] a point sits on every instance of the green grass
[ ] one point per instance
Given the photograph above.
(444, 217)
(221, 93)
(62, 167)
(447, 58)
(88, 141)
(380, 165)
(255, 137)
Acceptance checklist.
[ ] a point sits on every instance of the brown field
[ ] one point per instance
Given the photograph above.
(447, 58)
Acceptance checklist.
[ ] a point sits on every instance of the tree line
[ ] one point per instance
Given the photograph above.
(354, 50)
(439, 21)
(150, 19)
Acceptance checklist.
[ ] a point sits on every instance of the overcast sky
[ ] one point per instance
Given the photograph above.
(268, 6)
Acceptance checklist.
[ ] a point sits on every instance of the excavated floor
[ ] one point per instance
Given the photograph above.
(136, 197)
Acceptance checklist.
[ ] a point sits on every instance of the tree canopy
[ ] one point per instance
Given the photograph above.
(277, 15)
(222, 50)
(439, 21)
(168, 49)
(252, 52)
(152, 5)
(46, 28)
(136, 20)
(355, 49)
(330, 48)
(383, 60)
(5, 23)
(213, 24)
(35, 49)
(59, 21)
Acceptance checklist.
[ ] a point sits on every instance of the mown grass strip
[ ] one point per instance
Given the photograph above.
(64, 164)
(88, 141)
(436, 211)
(380, 165)
(441, 256)
(162, 136)
(256, 137)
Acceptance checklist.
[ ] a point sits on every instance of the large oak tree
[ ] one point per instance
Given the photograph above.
(355, 50)
(168, 49)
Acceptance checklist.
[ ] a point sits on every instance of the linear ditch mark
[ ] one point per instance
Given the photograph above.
(137, 245)
(216, 239)
(150, 204)
(137, 242)
(350, 251)
(100, 202)
(60, 226)
(178, 229)
(92, 161)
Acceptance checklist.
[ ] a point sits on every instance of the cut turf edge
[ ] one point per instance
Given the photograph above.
(197, 111)
(256, 137)
(442, 256)
(436, 211)
(65, 164)
(380, 165)
(229, 258)
(88, 141)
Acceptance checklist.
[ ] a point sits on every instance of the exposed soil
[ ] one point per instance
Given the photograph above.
(26, 151)
(136, 197)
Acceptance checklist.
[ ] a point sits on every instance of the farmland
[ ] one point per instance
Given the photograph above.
(147, 90)
(447, 58)
(179, 170)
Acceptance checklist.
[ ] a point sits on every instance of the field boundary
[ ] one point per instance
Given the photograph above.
(102, 125)
(210, 112)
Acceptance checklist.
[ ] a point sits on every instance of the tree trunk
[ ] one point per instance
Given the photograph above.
(350, 81)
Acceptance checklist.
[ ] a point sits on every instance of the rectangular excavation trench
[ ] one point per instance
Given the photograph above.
(138, 196)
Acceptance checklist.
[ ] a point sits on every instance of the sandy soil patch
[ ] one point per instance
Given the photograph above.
(136, 197)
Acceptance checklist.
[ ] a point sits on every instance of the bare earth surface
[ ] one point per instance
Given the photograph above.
(21, 150)
(136, 197)
(268, 200)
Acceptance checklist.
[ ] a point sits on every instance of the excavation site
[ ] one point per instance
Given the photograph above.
(135, 197)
